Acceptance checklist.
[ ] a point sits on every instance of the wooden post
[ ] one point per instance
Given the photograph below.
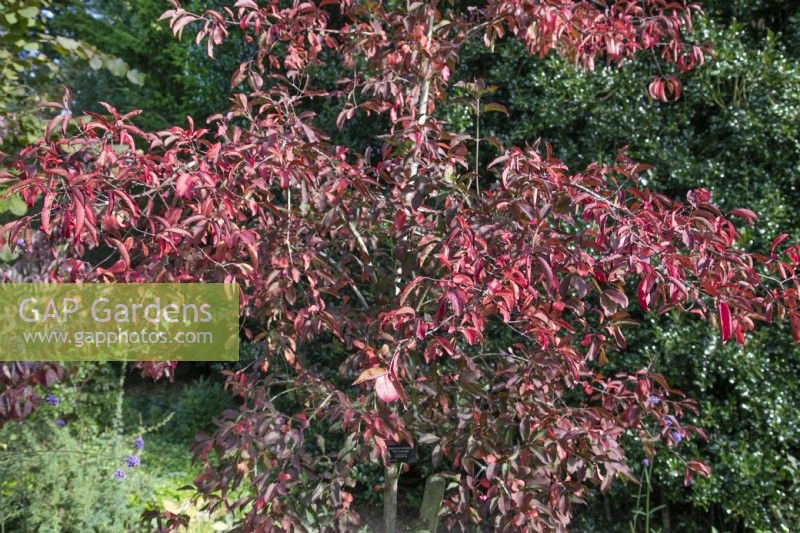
(391, 475)
(432, 502)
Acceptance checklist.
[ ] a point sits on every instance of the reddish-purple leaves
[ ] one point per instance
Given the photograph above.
(695, 466)
(123, 252)
(749, 216)
(18, 398)
(644, 292)
(665, 89)
(47, 206)
(777, 242)
(369, 374)
(456, 298)
(794, 322)
(616, 296)
(548, 273)
(387, 389)
(725, 324)
(489, 309)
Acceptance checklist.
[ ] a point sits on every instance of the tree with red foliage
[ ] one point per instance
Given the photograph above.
(413, 261)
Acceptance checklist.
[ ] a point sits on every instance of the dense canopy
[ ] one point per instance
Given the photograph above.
(407, 279)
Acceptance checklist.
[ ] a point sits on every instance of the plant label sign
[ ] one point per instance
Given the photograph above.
(402, 453)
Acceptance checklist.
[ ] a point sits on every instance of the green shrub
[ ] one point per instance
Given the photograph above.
(53, 480)
(74, 467)
(197, 406)
(62, 477)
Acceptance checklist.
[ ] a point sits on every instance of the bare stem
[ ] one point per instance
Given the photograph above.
(477, 145)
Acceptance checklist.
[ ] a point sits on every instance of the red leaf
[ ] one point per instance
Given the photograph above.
(551, 279)
(643, 294)
(779, 239)
(643, 387)
(408, 288)
(179, 231)
(794, 322)
(238, 75)
(80, 216)
(369, 374)
(387, 389)
(738, 331)
(422, 328)
(618, 297)
(48, 205)
(674, 86)
(471, 335)
(123, 251)
(184, 185)
(725, 325)
(657, 90)
(455, 298)
(694, 466)
(699, 467)
(399, 220)
(746, 214)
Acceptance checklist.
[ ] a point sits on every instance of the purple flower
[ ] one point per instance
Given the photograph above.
(132, 461)
(670, 420)
(60, 422)
(52, 400)
(653, 400)
(676, 437)
(138, 443)
(21, 242)
(119, 474)
(646, 461)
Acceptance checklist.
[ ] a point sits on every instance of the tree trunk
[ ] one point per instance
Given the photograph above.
(432, 502)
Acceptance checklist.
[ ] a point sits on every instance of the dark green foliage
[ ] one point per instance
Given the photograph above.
(193, 405)
(199, 403)
(735, 131)
(33, 54)
(179, 79)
